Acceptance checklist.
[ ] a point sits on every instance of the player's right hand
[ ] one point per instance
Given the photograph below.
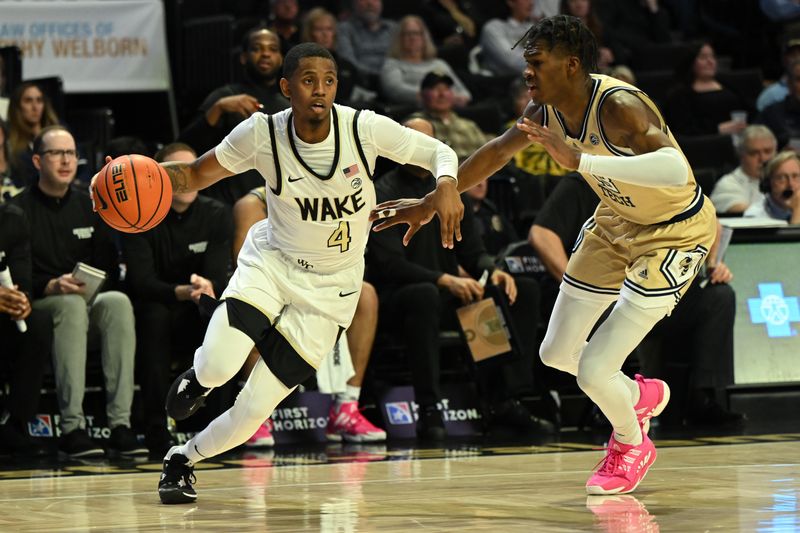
(91, 185)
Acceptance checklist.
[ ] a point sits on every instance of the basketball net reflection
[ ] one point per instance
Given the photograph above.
(621, 513)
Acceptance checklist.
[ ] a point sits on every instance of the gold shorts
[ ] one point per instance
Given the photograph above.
(645, 263)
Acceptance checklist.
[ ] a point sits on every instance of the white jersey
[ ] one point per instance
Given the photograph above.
(319, 195)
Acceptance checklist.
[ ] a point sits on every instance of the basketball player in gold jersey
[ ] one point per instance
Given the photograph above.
(641, 249)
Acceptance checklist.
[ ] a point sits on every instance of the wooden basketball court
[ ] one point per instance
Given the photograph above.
(743, 483)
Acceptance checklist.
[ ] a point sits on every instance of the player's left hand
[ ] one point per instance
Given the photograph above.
(444, 202)
(503, 279)
(565, 155)
(720, 274)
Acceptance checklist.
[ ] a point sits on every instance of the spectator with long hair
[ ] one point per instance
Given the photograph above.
(699, 104)
(607, 51)
(319, 26)
(29, 112)
(411, 56)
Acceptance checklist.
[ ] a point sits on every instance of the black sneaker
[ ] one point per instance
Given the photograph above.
(513, 414)
(77, 443)
(185, 396)
(124, 441)
(177, 476)
(430, 425)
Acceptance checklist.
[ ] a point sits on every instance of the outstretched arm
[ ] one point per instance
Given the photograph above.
(199, 174)
(487, 160)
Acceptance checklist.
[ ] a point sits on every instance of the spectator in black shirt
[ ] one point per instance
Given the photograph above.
(783, 117)
(420, 288)
(65, 231)
(494, 228)
(227, 106)
(24, 354)
(168, 268)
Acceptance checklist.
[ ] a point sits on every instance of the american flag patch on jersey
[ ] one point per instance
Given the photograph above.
(351, 171)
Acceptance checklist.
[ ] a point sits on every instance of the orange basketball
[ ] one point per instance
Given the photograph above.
(132, 193)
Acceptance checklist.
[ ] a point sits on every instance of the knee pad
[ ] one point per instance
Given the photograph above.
(279, 355)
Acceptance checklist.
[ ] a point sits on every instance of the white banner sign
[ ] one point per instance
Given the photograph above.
(95, 46)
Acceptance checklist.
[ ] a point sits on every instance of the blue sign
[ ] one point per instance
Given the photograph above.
(775, 310)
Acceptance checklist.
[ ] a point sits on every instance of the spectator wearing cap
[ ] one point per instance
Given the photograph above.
(461, 134)
(779, 90)
(411, 56)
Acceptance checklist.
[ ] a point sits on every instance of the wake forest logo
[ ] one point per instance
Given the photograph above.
(593, 139)
(117, 176)
(322, 209)
(612, 192)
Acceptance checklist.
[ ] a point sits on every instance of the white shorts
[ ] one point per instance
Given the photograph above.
(309, 309)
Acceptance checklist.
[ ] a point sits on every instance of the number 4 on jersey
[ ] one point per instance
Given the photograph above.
(340, 237)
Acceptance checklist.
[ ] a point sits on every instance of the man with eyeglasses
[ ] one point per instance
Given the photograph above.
(64, 231)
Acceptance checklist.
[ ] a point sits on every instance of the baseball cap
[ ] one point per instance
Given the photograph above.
(434, 77)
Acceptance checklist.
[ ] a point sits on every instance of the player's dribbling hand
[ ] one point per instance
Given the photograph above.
(565, 155)
(91, 185)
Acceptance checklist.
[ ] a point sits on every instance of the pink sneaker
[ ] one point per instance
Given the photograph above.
(623, 467)
(262, 438)
(653, 398)
(345, 421)
(621, 513)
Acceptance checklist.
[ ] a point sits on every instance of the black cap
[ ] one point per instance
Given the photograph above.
(434, 77)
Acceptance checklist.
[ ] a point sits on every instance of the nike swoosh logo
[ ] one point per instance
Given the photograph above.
(103, 204)
(343, 294)
(292, 180)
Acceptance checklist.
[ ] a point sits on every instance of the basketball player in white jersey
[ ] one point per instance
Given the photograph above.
(299, 272)
(641, 249)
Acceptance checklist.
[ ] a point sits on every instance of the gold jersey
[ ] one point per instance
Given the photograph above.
(642, 205)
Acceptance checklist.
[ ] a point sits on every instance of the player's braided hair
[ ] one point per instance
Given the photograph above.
(568, 34)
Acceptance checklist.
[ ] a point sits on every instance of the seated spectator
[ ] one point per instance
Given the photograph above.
(699, 104)
(365, 37)
(781, 188)
(420, 288)
(168, 269)
(64, 231)
(225, 107)
(319, 26)
(783, 117)
(634, 23)
(25, 354)
(284, 22)
(608, 52)
(29, 111)
(411, 56)
(736, 191)
(345, 421)
(494, 228)
(454, 25)
(705, 316)
(461, 134)
(498, 38)
(780, 89)
(7, 186)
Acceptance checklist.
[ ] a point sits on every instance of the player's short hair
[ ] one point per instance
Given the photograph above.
(301, 51)
(170, 149)
(566, 33)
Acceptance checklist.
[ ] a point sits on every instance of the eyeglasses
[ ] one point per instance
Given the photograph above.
(57, 154)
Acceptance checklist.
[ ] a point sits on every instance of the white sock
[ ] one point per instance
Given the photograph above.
(351, 394)
(633, 386)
